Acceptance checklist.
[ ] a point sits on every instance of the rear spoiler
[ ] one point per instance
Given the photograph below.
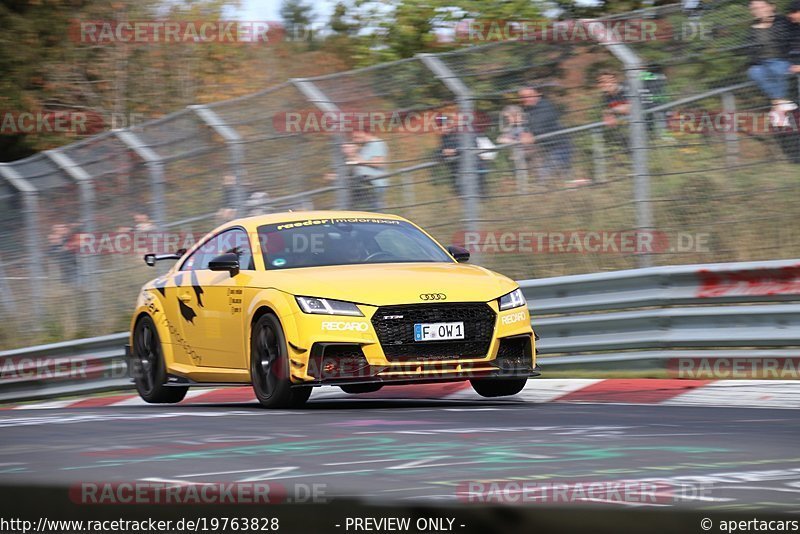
(151, 259)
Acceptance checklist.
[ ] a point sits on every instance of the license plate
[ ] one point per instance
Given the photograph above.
(438, 331)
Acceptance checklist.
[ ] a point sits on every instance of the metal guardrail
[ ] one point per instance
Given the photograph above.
(63, 369)
(631, 319)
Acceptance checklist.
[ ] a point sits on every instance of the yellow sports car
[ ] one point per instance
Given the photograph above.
(358, 300)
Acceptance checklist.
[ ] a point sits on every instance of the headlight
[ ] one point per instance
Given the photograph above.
(328, 306)
(515, 299)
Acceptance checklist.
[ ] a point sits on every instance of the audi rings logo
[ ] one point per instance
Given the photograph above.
(433, 296)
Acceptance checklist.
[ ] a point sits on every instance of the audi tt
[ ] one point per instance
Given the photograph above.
(291, 301)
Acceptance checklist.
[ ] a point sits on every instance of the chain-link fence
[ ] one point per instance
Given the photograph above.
(544, 157)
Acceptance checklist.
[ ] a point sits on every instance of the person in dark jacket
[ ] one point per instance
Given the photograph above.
(552, 155)
(793, 15)
(769, 48)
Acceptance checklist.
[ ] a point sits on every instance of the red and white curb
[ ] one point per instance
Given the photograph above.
(672, 392)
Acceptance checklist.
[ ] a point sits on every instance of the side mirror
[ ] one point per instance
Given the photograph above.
(459, 253)
(225, 262)
(151, 259)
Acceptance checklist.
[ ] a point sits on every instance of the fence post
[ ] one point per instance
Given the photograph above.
(234, 143)
(33, 242)
(155, 167)
(6, 296)
(599, 156)
(88, 262)
(467, 146)
(731, 137)
(638, 137)
(314, 94)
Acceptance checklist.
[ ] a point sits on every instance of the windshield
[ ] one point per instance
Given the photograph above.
(345, 241)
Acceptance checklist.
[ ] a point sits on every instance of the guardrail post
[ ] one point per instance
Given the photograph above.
(34, 266)
(88, 262)
(315, 95)
(638, 138)
(155, 167)
(731, 136)
(467, 146)
(234, 143)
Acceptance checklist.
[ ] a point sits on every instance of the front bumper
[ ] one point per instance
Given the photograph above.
(380, 347)
(345, 363)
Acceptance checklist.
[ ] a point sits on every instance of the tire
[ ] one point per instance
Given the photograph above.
(149, 369)
(355, 389)
(269, 367)
(498, 387)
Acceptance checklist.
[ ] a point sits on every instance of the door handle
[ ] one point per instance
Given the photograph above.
(185, 297)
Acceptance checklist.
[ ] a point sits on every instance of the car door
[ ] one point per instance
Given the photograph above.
(210, 302)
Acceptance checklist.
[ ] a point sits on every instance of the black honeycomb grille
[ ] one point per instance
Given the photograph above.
(395, 328)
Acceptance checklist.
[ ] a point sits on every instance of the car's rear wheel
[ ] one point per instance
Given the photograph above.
(355, 389)
(269, 366)
(498, 387)
(149, 369)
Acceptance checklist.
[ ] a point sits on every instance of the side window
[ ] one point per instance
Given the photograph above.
(234, 240)
(237, 241)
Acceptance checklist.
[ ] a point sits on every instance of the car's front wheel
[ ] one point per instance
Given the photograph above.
(149, 369)
(498, 387)
(269, 366)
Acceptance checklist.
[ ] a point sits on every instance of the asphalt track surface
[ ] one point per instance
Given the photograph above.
(407, 450)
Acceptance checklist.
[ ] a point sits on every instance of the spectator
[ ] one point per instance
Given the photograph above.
(512, 129)
(450, 151)
(552, 156)
(448, 148)
(369, 166)
(62, 245)
(788, 137)
(769, 67)
(793, 15)
(617, 108)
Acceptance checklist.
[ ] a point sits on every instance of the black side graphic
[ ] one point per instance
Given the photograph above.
(186, 311)
(198, 291)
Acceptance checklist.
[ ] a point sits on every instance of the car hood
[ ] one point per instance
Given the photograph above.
(391, 283)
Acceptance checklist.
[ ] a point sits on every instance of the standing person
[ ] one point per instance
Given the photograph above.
(793, 15)
(370, 166)
(451, 127)
(448, 148)
(512, 129)
(768, 51)
(616, 106)
(554, 154)
(788, 136)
